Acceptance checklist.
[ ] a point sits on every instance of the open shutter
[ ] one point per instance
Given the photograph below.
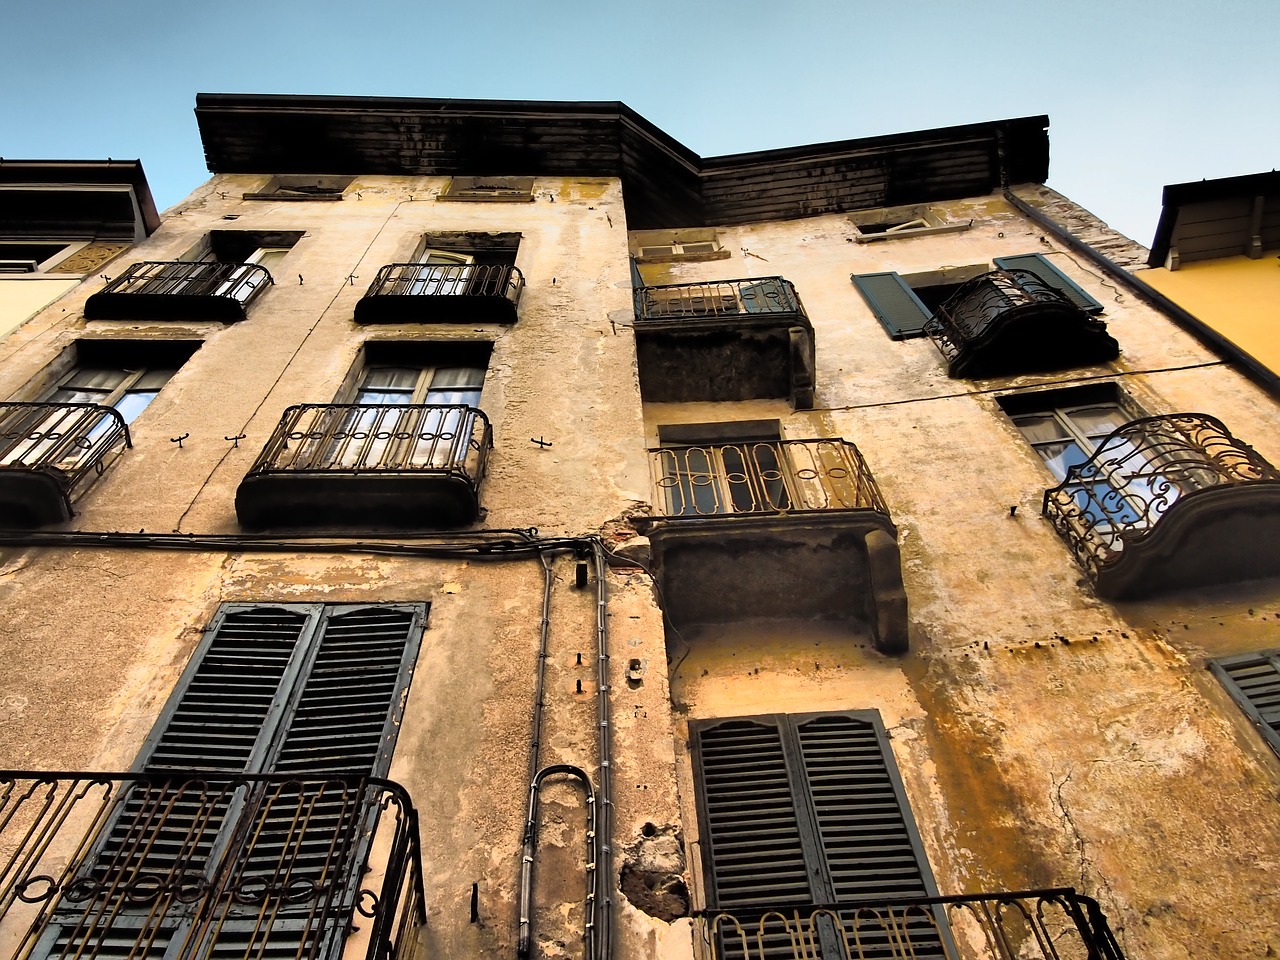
(895, 304)
(1253, 680)
(1046, 271)
(169, 833)
(309, 835)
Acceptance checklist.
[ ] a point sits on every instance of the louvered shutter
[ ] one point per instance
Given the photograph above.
(309, 691)
(809, 809)
(1046, 271)
(895, 304)
(1253, 680)
(169, 833)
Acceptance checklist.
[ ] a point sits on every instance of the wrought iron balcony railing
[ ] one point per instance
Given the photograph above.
(207, 864)
(50, 451)
(760, 298)
(179, 290)
(1011, 321)
(460, 293)
(1143, 474)
(1029, 925)
(432, 456)
(768, 477)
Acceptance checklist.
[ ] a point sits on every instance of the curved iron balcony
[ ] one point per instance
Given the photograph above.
(179, 290)
(442, 293)
(1030, 924)
(724, 340)
(204, 864)
(399, 465)
(1166, 502)
(1009, 322)
(761, 297)
(50, 452)
(770, 477)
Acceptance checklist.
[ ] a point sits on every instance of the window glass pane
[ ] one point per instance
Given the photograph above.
(1098, 421)
(1040, 427)
(1060, 457)
(134, 402)
(388, 385)
(94, 378)
(456, 385)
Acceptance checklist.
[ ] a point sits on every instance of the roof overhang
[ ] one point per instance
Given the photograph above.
(665, 184)
(1206, 219)
(76, 199)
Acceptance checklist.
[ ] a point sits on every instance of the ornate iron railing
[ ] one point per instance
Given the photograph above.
(448, 280)
(179, 278)
(780, 476)
(379, 438)
(71, 441)
(985, 300)
(1138, 473)
(1027, 925)
(205, 864)
(719, 299)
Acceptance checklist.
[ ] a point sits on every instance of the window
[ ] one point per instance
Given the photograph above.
(460, 264)
(407, 414)
(891, 223)
(722, 468)
(30, 256)
(1253, 680)
(805, 809)
(490, 189)
(251, 866)
(300, 187)
(658, 246)
(125, 375)
(904, 303)
(1134, 477)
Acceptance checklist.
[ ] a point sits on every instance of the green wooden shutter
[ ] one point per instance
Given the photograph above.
(1253, 680)
(754, 854)
(895, 304)
(797, 810)
(1046, 271)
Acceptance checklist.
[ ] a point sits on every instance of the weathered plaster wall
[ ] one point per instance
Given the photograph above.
(1045, 737)
(93, 640)
(22, 299)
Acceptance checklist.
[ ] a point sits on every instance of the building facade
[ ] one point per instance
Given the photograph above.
(472, 528)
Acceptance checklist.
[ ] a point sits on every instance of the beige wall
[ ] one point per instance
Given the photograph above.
(1044, 737)
(22, 299)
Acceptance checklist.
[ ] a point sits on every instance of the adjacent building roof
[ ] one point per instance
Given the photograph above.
(665, 184)
(76, 199)
(1207, 219)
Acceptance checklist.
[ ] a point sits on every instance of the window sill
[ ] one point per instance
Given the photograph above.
(913, 232)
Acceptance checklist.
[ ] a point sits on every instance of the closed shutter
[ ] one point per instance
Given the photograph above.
(1046, 271)
(895, 304)
(306, 690)
(1253, 680)
(803, 810)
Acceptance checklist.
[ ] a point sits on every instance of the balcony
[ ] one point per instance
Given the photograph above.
(179, 290)
(49, 454)
(1009, 322)
(442, 293)
(208, 864)
(724, 340)
(793, 529)
(394, 465)
(1169, 502)
(1029, 925)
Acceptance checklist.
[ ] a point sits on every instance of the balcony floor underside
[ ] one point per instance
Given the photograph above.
(837, 565)
(1218, 535)
(336, 499)
(163, 306)
(408, 308)
(1035, 339)
(32, 498)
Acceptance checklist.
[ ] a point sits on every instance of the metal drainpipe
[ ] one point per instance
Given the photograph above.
(599, 908)
(1211, 338)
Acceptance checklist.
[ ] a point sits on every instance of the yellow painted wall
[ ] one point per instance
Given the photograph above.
(22, 299)
(1238, 297)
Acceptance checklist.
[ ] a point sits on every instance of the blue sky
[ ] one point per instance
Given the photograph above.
(1139, 94)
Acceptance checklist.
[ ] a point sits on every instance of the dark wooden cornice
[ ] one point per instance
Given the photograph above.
(665, 184)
